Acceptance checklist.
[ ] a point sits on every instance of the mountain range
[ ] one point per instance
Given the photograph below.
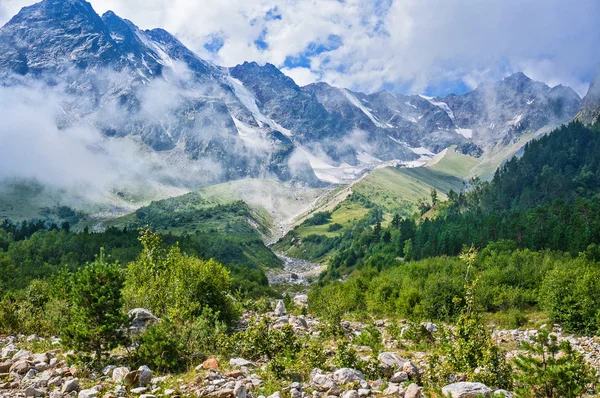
(252, 120)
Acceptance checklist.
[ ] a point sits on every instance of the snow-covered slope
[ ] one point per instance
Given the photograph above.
(250, 120)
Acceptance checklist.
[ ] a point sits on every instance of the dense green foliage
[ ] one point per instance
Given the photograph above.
(551, 369)
(30, 251)
(510, 280)
(97, 321)
(169, 283)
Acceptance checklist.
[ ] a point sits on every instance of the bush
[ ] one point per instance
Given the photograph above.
(260, 341)
(571, 295)
(551, 369)
(371, 337)
(97, 321)
(159, 348)
(170, 283)
(469, 351)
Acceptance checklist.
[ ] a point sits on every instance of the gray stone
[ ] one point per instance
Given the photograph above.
(141, 318)
(139, 390)
(413, 372)
(350, 394)
(280, 308)
(413, 391)
(22, 354)
(389, 359)
(119, 374)
(364, 392)
(145, 376)
(347, 375)
(276, 394)
(239, 390)
(466, 390)
(399, 377)
(34, 392)
(70, 386)
(301, 300)
(241, 362)
(21, 367)
(91, 393)
(55, 382)
(503, 393)
(8, 351)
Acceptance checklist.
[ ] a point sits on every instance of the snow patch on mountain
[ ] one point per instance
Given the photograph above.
(441, 105)
(467, 133)
(363, 108)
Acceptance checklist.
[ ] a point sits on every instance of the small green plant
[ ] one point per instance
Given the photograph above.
(159, 347)
(371, 337)
(551, 369)
(97, 319)
(345, 356)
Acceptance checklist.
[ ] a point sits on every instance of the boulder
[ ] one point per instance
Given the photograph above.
(140, 319)
(22, 354)
(413, 391)
(347, 375)
(225, 393)
(411, 369)
(118, 374)
(465, 389)
(280, 308)
(322, 382)
(350, 394)
(70, 386)
(8, 351)
(239, 391)
(5, 366)
(145, 376)
(211, 363)
(21, 367)
(55, 382)
(34, 392)
(301, 300)
(399, 377)
(91, 393)
(391, 360)
(241, 363)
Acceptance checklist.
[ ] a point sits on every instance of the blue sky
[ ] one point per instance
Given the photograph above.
(433, 47)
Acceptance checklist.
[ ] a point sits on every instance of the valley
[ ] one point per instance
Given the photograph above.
(200, 216)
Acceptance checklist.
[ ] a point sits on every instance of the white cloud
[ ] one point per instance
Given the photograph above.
(406, 44)
(302, 76)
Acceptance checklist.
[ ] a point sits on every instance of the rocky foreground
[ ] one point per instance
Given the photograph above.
(26, 370)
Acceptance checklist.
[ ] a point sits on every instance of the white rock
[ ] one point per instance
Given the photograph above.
(241, 362)
(280, 308)
(466, 390)
(347, 375)
(392, 360)
(350, 394)
(399, 377)
(70, 385)
(119, 374)
(91, 393)
(145, 375)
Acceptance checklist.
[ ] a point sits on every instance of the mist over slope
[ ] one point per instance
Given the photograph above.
(94, 104)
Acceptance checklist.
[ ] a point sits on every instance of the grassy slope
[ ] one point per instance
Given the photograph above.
(453, 163)
(399, 190)
(395, 190)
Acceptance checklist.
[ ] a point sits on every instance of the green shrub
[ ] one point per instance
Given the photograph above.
(571, 296)
(551, 369)
(371, 337)
(170, 283)
(160, 348)
(97, 319)
(261, 340)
